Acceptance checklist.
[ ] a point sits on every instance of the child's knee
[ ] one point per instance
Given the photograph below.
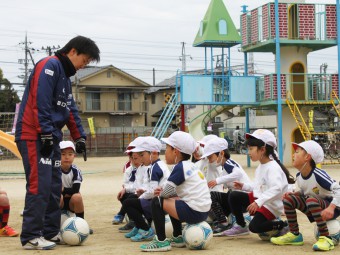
(76, 198)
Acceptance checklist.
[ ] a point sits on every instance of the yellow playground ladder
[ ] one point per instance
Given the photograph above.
(294, 109)
(333, 103)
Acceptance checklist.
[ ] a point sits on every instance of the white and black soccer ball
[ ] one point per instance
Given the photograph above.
(75, 231)
(197, 236)
(65, 214)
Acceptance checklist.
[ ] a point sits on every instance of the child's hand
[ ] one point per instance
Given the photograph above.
(212, 184)
(328, 213)
(121, 194)
(285, 195)
(140, 192)
(238, 185)
(157, 191)
(252, 208)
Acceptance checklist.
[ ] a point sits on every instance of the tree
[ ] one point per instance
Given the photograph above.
(8, 96)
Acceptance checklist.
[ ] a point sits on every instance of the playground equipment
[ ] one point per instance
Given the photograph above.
(7, 141)
(294, 93)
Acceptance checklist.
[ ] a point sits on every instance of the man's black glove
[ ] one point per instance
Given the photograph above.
(80, 145)
(46, 145)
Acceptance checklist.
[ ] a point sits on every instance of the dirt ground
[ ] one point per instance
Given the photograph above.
(102, 181)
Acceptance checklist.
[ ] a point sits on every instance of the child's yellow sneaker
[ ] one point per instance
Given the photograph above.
(288, 239)
(323, 244)
(8, 231)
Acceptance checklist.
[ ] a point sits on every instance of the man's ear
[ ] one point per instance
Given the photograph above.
(72, 52)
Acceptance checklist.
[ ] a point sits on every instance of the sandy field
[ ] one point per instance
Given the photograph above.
(102, 181)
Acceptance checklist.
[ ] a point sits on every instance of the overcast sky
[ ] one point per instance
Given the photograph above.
(133, 35)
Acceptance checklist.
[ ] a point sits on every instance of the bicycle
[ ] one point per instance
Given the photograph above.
(241, 147)
(331, 149)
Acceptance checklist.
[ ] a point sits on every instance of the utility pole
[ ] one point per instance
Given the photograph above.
(25, 61)
(183, 58)
(50, 49)
(251, 62)
(184, 108)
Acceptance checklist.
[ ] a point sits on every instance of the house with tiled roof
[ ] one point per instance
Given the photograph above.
(111, 96)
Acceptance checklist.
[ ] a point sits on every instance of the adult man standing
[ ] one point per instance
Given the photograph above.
(47, 106)
(236, 137)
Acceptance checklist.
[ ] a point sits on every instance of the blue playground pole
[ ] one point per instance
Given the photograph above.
(244, 10)
(278, 72)
(338, 34)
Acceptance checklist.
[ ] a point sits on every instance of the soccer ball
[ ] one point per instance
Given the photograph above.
(197, 236)
(232, 218)
(75, 231)
(168, 227)
(333, 228)
(65, 214)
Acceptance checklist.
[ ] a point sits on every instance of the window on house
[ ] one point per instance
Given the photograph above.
(108, 74)
(153, 99)
(93, 100)
(218, 119)
(124, 101)
(222, 27)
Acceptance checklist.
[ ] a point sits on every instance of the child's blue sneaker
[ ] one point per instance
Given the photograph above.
(132, 233)
(117, 219)
(143, 235)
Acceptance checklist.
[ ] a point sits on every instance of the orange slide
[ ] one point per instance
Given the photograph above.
(7, 141)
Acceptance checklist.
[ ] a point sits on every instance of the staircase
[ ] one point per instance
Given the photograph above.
(294, 109)
(166, 117)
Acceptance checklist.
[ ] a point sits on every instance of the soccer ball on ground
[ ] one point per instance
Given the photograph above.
(333, 229)
(197, 236)
(75, 231)
(65, 214)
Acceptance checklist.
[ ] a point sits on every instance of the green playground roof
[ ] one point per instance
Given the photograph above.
(217, 28)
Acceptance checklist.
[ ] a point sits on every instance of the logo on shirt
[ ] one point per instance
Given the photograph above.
(200, 174)
(57, 163)
(49, 72)
(45, 161)
(189, 172)
(62, 104)
(316, 190)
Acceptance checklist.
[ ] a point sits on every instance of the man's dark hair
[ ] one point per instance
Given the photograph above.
(82, 45)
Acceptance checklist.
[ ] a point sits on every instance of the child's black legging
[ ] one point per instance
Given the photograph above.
(259, 223)
(125, 196)
(134, 210)
(158, 216)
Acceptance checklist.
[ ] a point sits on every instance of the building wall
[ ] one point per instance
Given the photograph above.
(265, 21)
(306, 17)
(283, 20)
(292, 54)
(254, 26)
(331, 21)
(335, 85)
(244, 29)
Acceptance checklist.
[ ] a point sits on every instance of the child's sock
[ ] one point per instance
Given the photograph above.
(80, 215)
(4, 215)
